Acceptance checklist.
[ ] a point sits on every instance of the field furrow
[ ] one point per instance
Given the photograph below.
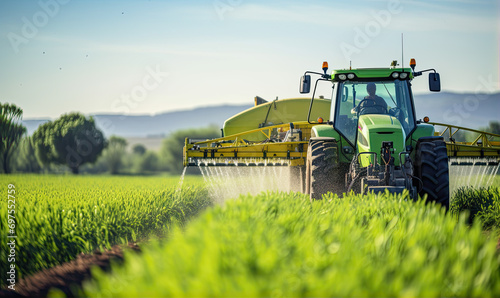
(59, 217)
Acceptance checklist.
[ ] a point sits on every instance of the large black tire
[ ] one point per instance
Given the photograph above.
(431, 167)
(321, 174)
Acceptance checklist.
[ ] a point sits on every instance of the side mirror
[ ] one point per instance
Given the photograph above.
(345, 96)
(305, 84)
(434, 82)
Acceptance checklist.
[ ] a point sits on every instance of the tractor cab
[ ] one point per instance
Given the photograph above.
(369, 106)
(371, 92)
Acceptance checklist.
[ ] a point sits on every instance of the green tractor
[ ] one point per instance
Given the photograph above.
(373, 141)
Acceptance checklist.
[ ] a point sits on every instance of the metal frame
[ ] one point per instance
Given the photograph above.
(483, 145)
(235, 149)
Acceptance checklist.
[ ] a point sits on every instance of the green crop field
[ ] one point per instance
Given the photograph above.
(271, 244)
(281, 245)
(58, 217)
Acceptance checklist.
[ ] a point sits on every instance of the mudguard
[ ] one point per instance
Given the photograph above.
(324, 130)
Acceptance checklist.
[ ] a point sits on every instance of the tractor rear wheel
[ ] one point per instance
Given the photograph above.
(322, 163)
(431, 167)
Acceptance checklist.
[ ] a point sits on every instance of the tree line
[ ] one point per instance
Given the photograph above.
(74, 143)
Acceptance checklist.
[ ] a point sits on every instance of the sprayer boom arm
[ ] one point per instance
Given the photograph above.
(284, 144)
(485, 144)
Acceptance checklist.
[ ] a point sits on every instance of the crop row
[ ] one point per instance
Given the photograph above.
(481, 204)
(58, 217)
(281, 245)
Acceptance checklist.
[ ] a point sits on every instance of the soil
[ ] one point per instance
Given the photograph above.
(66, 276)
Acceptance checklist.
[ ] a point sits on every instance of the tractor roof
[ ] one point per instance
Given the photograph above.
(368, 74)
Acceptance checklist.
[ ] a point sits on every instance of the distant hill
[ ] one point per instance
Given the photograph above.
(157, 125)
(468, 110)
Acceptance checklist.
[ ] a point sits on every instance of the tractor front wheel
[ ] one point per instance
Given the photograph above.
(322, 163)
(432, 169)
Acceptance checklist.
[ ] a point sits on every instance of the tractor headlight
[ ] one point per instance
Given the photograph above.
(342, 77)
(403, 75)
(395, 75)
(350, 76)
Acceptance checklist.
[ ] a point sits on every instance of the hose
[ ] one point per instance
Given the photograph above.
(362, 171)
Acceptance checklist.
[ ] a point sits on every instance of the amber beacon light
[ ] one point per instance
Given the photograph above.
(413, 63)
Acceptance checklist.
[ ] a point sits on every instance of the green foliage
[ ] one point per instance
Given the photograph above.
(123, 162)
(58, 217)
(482, 203)
(281, 245)
(71, 140)
(114, 152)
(494, 127)
(42, 150)
(11, 132)
(139, 149)
(25, 157)
(99, 167)
(171, 149)
(148, 162)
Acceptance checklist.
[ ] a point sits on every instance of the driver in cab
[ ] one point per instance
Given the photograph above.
(372, 103)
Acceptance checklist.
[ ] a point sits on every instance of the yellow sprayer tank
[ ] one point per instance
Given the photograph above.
(275, 112)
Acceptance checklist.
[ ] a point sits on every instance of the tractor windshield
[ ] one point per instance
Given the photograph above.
(375, 97)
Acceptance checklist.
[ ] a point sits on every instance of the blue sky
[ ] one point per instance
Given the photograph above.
(147, 57)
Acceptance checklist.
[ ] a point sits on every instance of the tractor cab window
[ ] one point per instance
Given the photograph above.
(377, 97)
